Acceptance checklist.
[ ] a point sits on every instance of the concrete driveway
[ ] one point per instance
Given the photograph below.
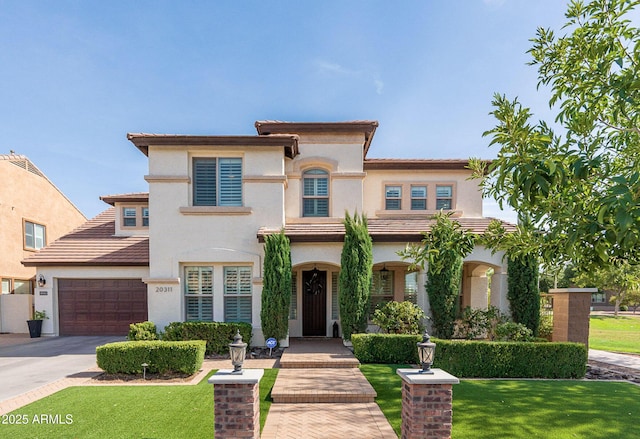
(35, 362)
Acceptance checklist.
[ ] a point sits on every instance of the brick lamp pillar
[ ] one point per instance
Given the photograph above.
(571, 309)
(427, 400)
(236, 407)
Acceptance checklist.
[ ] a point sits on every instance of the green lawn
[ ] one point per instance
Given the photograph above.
(126, 412)
(621, 334)
(525, 408)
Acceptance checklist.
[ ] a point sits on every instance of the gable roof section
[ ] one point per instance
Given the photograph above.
(23, 162)
(142, 141)
(381, 230)
(367, 127)
(94, 244)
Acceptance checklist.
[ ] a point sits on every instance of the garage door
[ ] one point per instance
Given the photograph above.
(100, 306)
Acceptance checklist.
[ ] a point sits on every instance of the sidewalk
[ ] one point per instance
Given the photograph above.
(627, 361)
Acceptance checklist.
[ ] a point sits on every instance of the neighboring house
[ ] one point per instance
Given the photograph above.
(33, 213)
(213, 199)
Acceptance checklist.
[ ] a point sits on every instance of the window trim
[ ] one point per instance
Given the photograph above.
(327, 175)
(33, 234)
(451, 198)
(125, 217)
(219, 186)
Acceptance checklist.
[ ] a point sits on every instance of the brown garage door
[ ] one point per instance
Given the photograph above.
(100, 306)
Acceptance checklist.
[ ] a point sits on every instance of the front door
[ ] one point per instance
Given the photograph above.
(314, 303)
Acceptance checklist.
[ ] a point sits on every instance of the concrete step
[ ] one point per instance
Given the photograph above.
(340, 385)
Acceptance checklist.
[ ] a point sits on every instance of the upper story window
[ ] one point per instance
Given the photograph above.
(315, 195)
(217, 181)
(129, 217)
(418, 197)
(34, 236)
(145, 217)
(444, 197)
(393, 197)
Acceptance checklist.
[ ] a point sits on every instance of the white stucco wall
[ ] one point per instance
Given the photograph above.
(467, 195)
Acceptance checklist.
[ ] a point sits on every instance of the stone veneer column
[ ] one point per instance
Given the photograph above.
(236, 405)
(571, 309)
(427, 410)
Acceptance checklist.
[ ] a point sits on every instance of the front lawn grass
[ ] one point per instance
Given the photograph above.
(127, 412)
(616, 334)
(524, 408)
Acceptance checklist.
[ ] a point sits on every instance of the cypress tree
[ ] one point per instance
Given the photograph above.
(522, 290)
(276, 289)
(355, 275)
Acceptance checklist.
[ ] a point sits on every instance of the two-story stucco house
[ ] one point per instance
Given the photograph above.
(213, 199)
(33, 213)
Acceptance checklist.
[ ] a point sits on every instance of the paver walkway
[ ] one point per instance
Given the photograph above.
(321, 393)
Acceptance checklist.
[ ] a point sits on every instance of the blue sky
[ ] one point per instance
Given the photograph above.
(76, 76)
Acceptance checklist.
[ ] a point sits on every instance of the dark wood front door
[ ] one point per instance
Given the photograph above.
(314, 303)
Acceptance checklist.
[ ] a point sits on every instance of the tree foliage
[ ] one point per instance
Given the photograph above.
(443, 250)
(356, 270)
(619, 280)
(399, 318)
(580, 182)
(276, 289)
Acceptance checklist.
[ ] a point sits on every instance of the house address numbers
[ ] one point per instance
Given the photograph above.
(164, 289)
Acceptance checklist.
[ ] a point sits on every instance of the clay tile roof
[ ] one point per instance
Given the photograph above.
(381, 230)
(140, 197)
(427, 164)
(94, 244)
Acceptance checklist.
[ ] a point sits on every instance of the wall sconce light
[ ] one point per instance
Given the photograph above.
(41, 281)
(237, 350)
(384, 273)
(426, 353)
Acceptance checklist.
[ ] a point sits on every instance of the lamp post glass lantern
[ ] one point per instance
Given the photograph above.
(237, 350)
(426, 353)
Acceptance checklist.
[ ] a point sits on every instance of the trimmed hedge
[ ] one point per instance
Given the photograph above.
(218, 335)
(479, 359)
(161, 356)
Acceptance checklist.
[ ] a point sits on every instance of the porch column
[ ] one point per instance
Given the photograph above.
(427, 404)
(236, 401)
(499, 291)
(571, 308)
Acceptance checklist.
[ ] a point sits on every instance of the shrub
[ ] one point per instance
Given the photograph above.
(479, 323)
(545, 330)
(399, 318)
(478, 359)
(522, 290)
(218, 335)
(161, 356)
(356, 262)
(386, 348)
(276, 289)
(142, 331)
(511, 331)
(490, 359)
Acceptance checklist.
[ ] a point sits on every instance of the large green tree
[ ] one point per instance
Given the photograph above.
(620, 280)
(579, 180)
(356, 270)
(443, 249)
(276, 288)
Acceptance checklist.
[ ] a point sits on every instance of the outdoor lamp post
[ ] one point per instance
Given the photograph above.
(238, 350)
(426, 353)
